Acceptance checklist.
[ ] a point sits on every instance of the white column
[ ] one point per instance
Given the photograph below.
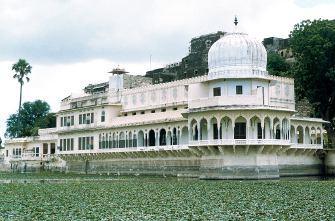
(199, 131)
(295, 135)
(289, 129)
(178, 142)
(192, 134)
(231, 133)
(247, 129)
(283, 130)
(190, 130)
(209, 134)
(271, 129)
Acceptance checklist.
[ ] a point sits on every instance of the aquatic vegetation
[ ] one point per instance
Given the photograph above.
(144, 198)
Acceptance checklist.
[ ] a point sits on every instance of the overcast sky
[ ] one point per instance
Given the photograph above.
(71, 43)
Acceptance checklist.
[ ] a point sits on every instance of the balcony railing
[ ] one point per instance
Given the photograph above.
(78, 127)
(307, 146)
(239, 142)
(33, 156)
(127, 149)
(226, 100)
(164, 147)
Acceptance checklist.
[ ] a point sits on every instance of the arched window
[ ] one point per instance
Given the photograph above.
(103, 116)
(162, 137)
(152, 138)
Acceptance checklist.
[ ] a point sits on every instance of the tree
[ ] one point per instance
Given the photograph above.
(22, 69)
(31, 117)
(276, 65)
(313, 45)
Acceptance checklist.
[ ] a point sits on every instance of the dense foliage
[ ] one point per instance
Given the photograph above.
(276, 65)
(144, 198)
(313, 45)
(33, 115)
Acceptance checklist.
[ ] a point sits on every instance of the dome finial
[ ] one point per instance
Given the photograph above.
(235, 21)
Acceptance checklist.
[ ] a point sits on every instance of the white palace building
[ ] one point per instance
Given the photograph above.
(236, 122)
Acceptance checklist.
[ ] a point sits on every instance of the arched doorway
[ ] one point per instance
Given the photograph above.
(255, 128)
(122, 141)
(240, 128)
(140, 142)
(214, 133)
(152, 138)
(276, 128)
(203, 129)
(226, 128)
(130, 139)
(194, 130)
(174, 136)
(184, 135)
(162, 137)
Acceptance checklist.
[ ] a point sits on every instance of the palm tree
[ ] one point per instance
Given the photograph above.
(22, 69)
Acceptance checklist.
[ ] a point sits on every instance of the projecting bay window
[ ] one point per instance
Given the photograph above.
(216, 91)
(87, 118)
(85, 143)
(66, 144)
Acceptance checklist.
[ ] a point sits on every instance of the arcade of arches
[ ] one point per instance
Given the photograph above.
(254, 128)
(216, 128)
(144, 137)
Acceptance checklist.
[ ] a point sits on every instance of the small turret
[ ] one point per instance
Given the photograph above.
(116, 80)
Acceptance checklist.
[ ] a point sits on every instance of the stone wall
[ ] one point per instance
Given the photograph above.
(133, 81)
(300, 163)
(329, 162)
(194, 64)
(234, 163)
(231, 163)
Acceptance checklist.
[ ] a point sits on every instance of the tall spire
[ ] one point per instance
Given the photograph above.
(235, 21)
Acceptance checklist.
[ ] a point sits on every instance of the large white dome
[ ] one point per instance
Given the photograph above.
(236, 55)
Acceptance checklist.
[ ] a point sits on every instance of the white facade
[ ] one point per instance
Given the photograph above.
(237, 104)
(39, 148)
